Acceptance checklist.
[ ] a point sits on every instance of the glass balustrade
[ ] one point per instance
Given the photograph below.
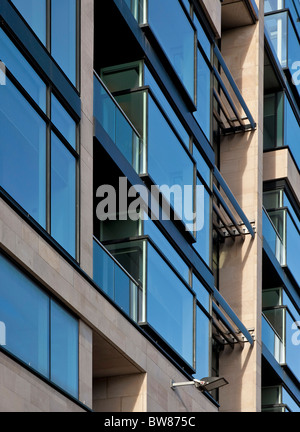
(272, 340)
(116, 282)
(117, 125)
(272, 236)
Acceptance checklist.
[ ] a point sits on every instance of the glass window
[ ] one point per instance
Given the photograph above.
(22, 71)
(169, 306)
(165, 18)
(150, 81)
(168, 162)
(292, 350)
(203, 113)
(63, 121)
(202, 345)
(202, 166)
(23, 152)
(202, 38)
(63, 36)
(64, 349)
(202, 294)
(25, 311)
(63, 196)
(166, 248)
(203, 233)
(34, 12)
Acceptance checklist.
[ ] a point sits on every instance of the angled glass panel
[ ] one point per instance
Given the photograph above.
(203, 295)
(203, 225)
(277, 28)
(292, 344)
(64, 349)
(203, 113)
(63, 196)
(165, 18)
(103, 270)
(169, 306)
(23, 152)
(169, 164)
(166, 248)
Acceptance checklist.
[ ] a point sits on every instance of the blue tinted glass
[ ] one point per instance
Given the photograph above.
(202, 294)
(63, 36)
(202, 166)
(20, 68)
(292, 132)
(202, 38)
(103, 270)
(169, 306)
(292, 349)
(292, 242)
(64, 349)
(34, 12)
(150, 81)
(168, 162)
(165, 18)
(63, 196)
(166, 248)
(122, 290)
(24, 309)
(202, 245)
(202, 114)
(63, 121)
(289, 401)
(23, 152)
(202, 345)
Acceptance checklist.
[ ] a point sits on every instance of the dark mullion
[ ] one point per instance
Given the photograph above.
(48, 25)
(48, 165)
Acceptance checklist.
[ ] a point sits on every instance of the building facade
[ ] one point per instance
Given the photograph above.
(149, 205)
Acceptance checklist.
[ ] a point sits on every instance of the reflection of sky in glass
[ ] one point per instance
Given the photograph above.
(178, 45)
(169, 306)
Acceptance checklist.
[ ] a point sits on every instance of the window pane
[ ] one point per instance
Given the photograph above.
(150, 81)
(168, 162)
(23, 72)
(23, 152)
(203, 234)
(202, 38)
(63, 196)
(63, 121)
(202, 345)
(166, 248)
(202, 166)
(64, 349)
(24, 309)
(169, 306)
(34, 12)
(63, 36)
(202, 294)
(165, 18)
(202, 114)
